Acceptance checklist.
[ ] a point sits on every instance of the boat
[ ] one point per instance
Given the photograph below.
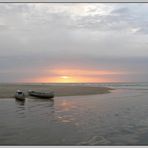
(41, 94)
(19, 95)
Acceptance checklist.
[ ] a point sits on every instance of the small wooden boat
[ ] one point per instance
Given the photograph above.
(19, 95)
(41, 94)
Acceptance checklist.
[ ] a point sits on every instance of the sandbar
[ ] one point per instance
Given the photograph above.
(8, 90)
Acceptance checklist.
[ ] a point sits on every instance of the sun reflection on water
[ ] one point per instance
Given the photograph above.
(64, 115)
(66, 105)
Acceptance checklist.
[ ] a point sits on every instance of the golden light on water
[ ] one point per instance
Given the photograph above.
(66, 105)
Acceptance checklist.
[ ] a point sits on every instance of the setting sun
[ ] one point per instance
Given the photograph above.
(65, 77)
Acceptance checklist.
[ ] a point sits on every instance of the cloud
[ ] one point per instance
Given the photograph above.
(89, 36)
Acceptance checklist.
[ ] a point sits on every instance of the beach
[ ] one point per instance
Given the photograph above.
(8, 90)
(116, 118)
(73, 74)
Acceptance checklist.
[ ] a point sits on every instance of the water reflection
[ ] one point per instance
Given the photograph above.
(90, 120)
(40, 99)
(43, 102)
(65, 111)
(20, 108)
(20, 103)
(66, 105)
(34, 107)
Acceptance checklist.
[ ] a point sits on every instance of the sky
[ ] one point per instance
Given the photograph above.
(73, 42)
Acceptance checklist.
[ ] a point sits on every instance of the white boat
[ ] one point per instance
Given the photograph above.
(19, 95)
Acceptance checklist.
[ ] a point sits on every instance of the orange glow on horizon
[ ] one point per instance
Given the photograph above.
(75, 76)
(69, 80)
(80, 72)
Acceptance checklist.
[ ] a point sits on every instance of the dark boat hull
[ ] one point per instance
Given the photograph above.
(41, 95)
(21, 98)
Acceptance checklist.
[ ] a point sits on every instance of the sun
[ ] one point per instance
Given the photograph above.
(65, 77)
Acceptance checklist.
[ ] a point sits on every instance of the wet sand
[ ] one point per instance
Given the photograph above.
(8, 90)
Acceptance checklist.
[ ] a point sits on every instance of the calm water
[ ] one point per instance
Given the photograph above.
(118, 118)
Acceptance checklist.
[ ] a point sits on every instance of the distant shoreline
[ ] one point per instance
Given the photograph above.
(8, 90)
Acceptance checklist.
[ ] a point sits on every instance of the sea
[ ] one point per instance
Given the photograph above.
(119, 85)
(116, 118)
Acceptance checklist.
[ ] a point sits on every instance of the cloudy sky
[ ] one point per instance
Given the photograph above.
(79, 42)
